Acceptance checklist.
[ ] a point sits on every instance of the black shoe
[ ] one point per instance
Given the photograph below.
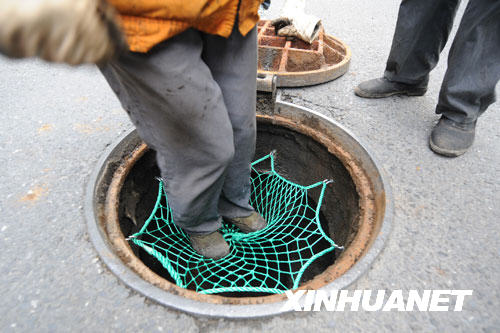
(450, 138)
(248, 224)
(381, 87)
(211, 246)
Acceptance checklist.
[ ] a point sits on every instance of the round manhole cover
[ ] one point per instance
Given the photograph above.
(356, 210)
(296, 63)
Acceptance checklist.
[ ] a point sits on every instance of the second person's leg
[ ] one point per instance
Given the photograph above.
(469, 84)
(421, 33)
(422, 29)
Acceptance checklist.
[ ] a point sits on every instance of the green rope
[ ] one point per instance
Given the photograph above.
(271, 260)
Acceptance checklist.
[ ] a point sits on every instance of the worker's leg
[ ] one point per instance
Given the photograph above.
(233, 63)
(469, 84)
(179, 110)
(473, 64)
(421, 33)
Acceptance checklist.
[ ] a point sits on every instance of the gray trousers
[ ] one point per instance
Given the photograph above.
(422, 30)
(192, 99)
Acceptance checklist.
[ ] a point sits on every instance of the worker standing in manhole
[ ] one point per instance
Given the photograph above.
(189, 86)
(187, 79)
(473, 70)
(185, 72)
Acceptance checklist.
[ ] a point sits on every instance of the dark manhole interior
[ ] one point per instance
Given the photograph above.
(299, 159)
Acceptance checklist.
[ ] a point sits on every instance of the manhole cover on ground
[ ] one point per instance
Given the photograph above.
(356, 210)
(296, 63)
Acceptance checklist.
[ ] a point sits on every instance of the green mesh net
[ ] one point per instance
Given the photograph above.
(271, 260)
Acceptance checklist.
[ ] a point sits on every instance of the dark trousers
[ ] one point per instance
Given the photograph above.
(422, 30)
(192, 99)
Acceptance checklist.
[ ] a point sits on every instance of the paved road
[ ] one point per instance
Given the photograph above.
(56, 122)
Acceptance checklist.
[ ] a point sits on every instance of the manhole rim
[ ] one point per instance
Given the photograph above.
(133, 280)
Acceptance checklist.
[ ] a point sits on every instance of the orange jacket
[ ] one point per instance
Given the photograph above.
(149, 22)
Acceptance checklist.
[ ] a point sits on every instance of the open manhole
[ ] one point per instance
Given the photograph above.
(356, 210)
(295, 63)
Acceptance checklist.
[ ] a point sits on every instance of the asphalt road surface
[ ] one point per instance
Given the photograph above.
(57, 121)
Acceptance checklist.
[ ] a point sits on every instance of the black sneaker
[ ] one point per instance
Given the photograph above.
(211, 245)
(450, 138)
(381, 87)
(248, 224)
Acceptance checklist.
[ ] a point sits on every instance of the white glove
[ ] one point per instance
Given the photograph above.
(294, 22)
(69, 31)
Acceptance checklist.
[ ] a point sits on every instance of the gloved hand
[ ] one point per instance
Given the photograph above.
(294, 22)
(68, 31)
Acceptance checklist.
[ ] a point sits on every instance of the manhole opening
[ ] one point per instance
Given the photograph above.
(356, 210)
(300, 159)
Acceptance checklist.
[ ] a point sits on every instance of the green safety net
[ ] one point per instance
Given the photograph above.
(271, 260)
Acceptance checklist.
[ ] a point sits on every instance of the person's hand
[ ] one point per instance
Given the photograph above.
(69, 31)
(294, 22)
